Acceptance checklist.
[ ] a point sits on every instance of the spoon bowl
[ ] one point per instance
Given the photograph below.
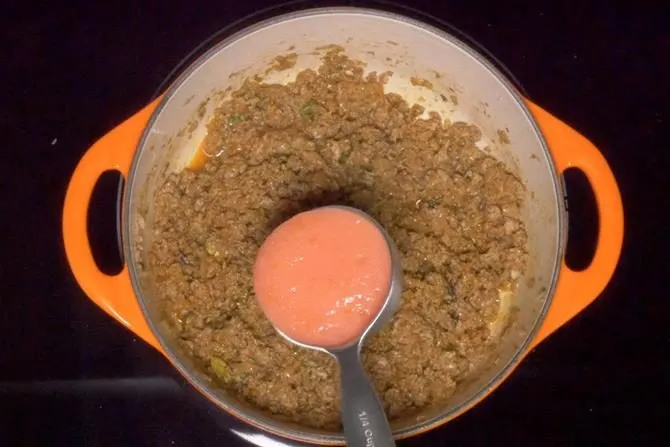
(363, 418)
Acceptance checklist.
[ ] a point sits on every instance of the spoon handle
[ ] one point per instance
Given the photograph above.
(363, 418)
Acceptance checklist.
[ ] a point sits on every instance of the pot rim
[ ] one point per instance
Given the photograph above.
(266, 422)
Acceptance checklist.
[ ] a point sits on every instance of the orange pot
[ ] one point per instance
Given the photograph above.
(165, 135)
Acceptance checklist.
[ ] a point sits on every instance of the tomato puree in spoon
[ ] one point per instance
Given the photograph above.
(323, 276)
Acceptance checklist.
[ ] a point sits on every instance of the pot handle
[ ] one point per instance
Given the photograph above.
(113, 293)
(577, 289)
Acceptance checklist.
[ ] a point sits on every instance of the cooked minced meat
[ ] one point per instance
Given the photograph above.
(334, 137)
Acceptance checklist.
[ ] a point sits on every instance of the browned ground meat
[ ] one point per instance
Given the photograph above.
(334, 136)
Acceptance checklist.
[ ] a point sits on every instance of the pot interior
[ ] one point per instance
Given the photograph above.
(476, 94)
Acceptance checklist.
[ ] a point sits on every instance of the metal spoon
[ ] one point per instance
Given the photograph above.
(363, 417)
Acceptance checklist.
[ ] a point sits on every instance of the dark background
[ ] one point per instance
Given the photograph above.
(71, 376)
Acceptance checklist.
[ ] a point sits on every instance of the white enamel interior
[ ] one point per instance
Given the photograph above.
(384, 42)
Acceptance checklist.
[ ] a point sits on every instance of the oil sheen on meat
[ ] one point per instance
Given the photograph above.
(334, 137)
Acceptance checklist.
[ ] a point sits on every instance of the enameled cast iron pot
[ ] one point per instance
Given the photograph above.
(164, 136)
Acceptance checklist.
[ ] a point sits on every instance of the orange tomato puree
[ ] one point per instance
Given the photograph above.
(322, 276)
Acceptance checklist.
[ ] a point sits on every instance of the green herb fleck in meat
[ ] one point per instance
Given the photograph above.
(220, 369)
(432, 203)
(344, 155)
(236, 118)
(308, 110)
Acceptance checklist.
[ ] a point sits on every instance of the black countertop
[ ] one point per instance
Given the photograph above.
(70, 376)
